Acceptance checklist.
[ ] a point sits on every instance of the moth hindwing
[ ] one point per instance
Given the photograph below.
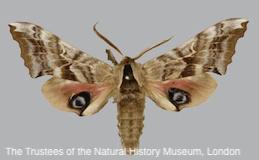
(83, 84)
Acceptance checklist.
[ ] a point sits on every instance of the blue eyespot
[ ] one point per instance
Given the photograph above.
(80, 100)
(178, 96)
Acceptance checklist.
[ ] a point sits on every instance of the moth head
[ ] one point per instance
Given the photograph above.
(126, 60)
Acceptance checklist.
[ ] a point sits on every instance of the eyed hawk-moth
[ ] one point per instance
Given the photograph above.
(83, 84)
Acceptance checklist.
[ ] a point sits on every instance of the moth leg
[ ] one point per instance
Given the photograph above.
(111, 56)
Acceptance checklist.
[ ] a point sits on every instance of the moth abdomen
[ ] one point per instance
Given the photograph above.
(130, 123)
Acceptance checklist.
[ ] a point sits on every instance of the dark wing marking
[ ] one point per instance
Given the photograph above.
(209, 51)
(45, 54)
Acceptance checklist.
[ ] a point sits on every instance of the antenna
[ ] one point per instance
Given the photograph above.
(150, 48)
(106, 39)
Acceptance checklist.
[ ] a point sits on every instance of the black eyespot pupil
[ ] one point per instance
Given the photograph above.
(80, 100)
(178, 96)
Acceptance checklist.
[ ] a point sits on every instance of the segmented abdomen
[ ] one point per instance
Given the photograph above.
(130, 120)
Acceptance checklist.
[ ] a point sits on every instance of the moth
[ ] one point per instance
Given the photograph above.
(83, 84)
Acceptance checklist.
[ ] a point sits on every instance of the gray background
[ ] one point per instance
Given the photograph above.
(228, 119)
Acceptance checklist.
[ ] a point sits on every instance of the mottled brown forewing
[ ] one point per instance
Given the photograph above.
(45, 54)
(209, 51)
